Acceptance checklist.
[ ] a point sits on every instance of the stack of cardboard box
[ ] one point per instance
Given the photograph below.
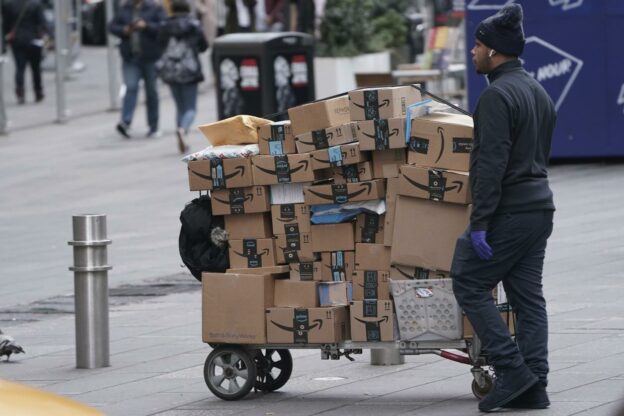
(323, 283)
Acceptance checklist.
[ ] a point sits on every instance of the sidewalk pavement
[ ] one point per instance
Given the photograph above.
(49, 172)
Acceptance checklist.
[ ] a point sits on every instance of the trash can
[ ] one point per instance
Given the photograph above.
(263, 73)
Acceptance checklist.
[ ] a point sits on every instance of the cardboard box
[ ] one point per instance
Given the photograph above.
(290, 214)
(387, 163)
(233, 307)
(337, 266)
(369, 228)
(296, 294)
(372, 257)
(435, 184)
(343, 193)
(288, 193)
(307, 326)
(293, 247)
(353, 173)
(332, 237)
(206, 175)
(377, 103)
(319, 115)
(278, 272)
(276, 139)
(240, 200)
(270, 170)
(252, 253)
(306, 271)
(392, 188)
(372, 320)
(335, 293)
(425, 232)
(506, 315)
(240, 227)
(441, 141)
(335, 156)
(381, 134)
(324, 138)
(371, 284)
(399, 272)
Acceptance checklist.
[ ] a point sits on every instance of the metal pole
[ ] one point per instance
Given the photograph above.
(91, 290)
(386, 357)
(3, 116)
(113, 63)
(61, 50)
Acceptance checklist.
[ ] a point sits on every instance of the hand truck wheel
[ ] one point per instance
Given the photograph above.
(230, 372)
(273, 369)
(481, 391)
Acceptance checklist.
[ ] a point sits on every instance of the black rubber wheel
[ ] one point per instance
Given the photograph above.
(274, 368)
(230, 372)
(481, 392)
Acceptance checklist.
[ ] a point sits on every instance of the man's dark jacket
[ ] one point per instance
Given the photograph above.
(514, 121)
(32, 24)
(154, 15)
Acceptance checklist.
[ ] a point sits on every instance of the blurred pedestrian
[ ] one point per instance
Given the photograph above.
(182, 37)
(24, 29)
(207, 13)
(512, 215)
(137, 24)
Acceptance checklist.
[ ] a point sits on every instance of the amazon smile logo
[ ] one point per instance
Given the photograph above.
(457, 185)
(304, 164)
(326, 136)
(238, 170)
(301, 327)
(366, 188)
(384, 103)
(383, 319)
(241, 199)
(262, 253)
(394, 132)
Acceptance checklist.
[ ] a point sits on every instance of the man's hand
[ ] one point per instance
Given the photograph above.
(127, 30)
(140, 24)
(480, 245)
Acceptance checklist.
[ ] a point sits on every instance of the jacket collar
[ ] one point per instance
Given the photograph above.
(510, 66)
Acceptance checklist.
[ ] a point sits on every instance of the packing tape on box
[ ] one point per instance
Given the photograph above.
(216, 173)
(371, 227)
(306, 271)
(338, 267)
(276, 141)
(371, 285)
(282, 169)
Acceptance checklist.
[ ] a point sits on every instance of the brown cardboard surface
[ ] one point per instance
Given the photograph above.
(337, 266)
(271, 170)
(370, 228)
(241, 226)
(340, 155)
(435, 184)
(353, 173)
(293, 247)
(371, 284)
(340, 194)
(332, 237)
(386, 102)
(324, 138)
(252, 253)
(387, 163)
(296, 294)
(335, 293)
(425, 232)
(399, 272)
(319, 115)
(506, 316)
(249, 200)
(236, 173)
(276, 139)
(233, 307)
(306, 271)
(381, 134)
(289, 214)
(307, 326)
(278, 272)
(372, 320)
(372, 257)
(392, 187)
(441, 141)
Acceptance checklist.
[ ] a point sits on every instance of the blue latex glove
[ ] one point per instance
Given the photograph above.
(482, 248)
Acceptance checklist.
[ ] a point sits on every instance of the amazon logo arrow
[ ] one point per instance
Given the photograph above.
(384, 103)
(441, 133)
(385, 318)
(317, 323)
(287, 219)
(247, 197)
(366, 188)
(458, 185)
(238, 170)
(263, 253)
(304, 165)
(394, 132)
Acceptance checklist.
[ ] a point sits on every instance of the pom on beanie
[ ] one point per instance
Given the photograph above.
(503, 31)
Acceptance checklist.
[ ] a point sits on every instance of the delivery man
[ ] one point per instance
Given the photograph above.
(512, 215)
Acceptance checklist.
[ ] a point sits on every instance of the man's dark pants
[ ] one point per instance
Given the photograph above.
(24, 56)
(518, 241)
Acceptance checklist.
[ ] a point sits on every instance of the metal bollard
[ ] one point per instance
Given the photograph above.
(386, 357)
(91, 290)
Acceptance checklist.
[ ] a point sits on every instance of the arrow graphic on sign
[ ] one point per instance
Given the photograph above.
(566, 4)
(488, 4)
(620, 100)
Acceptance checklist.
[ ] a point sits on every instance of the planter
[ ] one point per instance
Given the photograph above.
(337, 75)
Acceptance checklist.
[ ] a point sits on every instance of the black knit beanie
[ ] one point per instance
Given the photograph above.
(503, 31)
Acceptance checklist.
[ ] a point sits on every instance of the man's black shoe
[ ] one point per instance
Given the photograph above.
(534, 398)
(509, 384)
(122, 128)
